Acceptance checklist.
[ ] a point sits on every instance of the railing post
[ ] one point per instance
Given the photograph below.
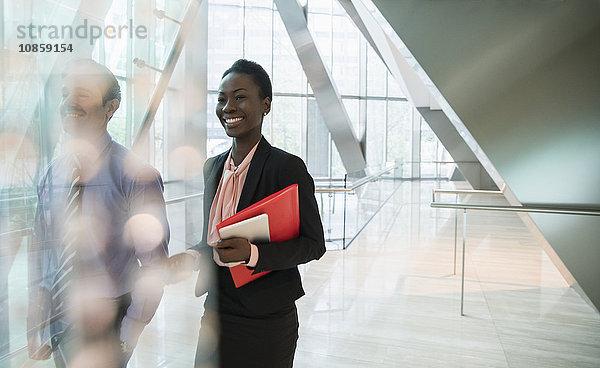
(455, 232)
(344, 227)
(462, 286)
(345, 209)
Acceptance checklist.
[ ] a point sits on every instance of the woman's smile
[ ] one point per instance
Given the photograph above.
(231, 122)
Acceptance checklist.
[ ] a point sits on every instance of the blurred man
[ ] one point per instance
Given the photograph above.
(100, 236)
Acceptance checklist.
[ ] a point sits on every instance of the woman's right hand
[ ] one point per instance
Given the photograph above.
(180, 267)
(37, 352)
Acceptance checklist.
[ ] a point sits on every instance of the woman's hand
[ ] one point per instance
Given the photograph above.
(233, 250)
(180, 267)
(37, 352)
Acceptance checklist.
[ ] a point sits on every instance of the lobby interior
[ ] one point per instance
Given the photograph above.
(454, 148)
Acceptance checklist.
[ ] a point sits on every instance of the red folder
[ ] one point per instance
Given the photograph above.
(284, 224)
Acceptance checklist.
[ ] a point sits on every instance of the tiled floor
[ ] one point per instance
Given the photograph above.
(391, 299)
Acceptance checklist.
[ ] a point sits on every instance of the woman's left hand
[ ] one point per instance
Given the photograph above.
(233, 250)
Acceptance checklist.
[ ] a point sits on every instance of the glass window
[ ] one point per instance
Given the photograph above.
(399, 123)
(320, 29)
(321, 6)
(287, 70)
(268, 4)
(352, 108)
(394, 89)
(159, 138)
(117, 126)
(225, 44)
(337, 166)
(258, 44)
(376, 74)
(317, 156)
(429, 148)
(375, 132)
(346, 56)
(287, 124)
(115, 48)
(337, 8)
(217, 140)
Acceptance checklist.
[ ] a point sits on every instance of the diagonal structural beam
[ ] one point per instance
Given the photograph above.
(412, 86)
(418, 94)
(140, 142)
(327, 96)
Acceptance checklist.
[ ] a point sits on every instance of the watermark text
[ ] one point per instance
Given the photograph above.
(82, 31)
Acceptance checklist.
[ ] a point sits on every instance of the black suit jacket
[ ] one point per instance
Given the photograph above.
(271, 170)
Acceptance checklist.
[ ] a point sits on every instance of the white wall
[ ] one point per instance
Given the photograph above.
(524, 78)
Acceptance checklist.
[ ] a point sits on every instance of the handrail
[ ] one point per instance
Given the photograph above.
(469, 191)
(324, 178)
(455, 162)
(28, 230)
(13, 353)
(438, 162)
(356, 184)
(332, 190)
(43, 324)
(479, 207)
(184, 198)
(20, 232)
(372, 177)
(534, 209)
(466, 191)
(14, 199)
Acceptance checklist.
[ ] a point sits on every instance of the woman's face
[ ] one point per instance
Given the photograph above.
(240, 107)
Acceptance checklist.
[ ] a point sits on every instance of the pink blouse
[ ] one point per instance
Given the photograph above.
(226, 201)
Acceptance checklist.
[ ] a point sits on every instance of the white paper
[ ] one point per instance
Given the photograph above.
(255, 229)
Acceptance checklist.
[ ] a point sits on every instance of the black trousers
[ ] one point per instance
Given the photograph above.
(228, 341)
(75, 347)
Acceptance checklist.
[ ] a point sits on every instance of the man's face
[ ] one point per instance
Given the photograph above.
(81, 109)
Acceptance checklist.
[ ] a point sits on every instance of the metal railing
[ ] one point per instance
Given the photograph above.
(466, 191)
(332, 190)
(34, 329)
(28, 231)
(184, 198)
(458, 192)
(16, 199)
(526, 209)
(356, 184)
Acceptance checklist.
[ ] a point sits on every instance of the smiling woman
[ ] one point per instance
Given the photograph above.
(241, 106)
(257, 323)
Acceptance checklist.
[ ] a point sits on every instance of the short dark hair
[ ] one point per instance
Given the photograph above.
(90, 67)
(258, 74)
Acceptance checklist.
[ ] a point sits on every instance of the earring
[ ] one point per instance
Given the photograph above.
(265, 113)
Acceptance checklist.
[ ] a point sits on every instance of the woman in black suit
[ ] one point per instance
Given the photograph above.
(257, 324)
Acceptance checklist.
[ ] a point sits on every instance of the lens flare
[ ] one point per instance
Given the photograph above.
(144, 231)
(185, 162)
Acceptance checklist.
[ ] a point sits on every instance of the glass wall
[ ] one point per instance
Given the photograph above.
(30, 129)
